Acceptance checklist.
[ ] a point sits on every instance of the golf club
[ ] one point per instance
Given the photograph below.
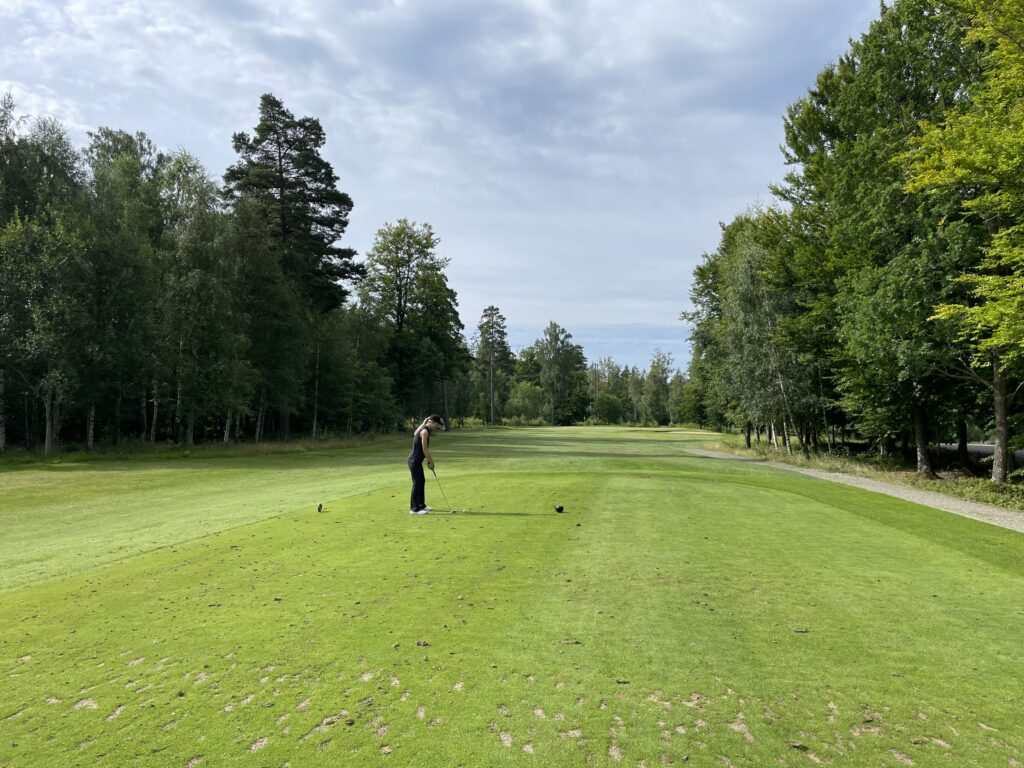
(443, 494)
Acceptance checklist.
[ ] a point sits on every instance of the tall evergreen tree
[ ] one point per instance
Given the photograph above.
(282, 175)
(563, 374)
(494, 362)
(280, 166)
(656, 389)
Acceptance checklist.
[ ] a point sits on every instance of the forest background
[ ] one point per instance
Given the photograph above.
(879, 300)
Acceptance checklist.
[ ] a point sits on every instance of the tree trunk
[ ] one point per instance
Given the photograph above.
(48, 433)
(3, 414)
(90, 430)
(746, 434)
(775, 435)
(1000, 458)
(802, 441)
(190, 429)
(316, 382)
(145, 417)
(28, 425)
(924, 464)
(56, 420)
(156, 413)
(176, 424)
(285, 424)
(227, 429)
(905, 446)
(962, 453)
(261, 414)
(888, 447)
(490, 378)
(117, 420)
(444, 397)
(786, 440)
(824, 414)
(51, 402)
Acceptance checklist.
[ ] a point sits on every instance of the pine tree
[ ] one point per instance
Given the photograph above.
(281, 167)
(494, 362)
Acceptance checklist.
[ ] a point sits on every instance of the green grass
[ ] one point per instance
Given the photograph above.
(201, 612)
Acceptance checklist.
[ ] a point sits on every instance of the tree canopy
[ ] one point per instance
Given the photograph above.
(882, 293)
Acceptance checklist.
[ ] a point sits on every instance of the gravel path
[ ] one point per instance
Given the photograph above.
(1005, 518)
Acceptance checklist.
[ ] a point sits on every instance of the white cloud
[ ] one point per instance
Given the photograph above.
(574, 155)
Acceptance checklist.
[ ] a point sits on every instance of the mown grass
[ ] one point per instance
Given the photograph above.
(138, 450)
(681, 610)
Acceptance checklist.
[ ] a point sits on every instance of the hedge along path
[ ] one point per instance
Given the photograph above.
(987, 513)
(682, 611)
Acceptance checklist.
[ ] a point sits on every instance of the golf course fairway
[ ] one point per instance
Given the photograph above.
(192, 611)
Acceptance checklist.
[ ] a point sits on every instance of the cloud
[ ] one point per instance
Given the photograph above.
(572, 154)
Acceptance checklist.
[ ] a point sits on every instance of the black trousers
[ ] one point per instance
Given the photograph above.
(419, 484)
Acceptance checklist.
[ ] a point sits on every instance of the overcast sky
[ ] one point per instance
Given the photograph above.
(575, 157)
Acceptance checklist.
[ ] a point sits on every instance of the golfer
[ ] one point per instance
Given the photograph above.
(421, 451)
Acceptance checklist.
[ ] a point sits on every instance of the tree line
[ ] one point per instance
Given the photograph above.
(882, 295)
(142, 300)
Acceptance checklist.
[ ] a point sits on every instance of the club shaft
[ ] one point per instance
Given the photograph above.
(443, 494)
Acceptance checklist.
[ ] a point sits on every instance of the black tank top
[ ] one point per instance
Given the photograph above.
(416, 456)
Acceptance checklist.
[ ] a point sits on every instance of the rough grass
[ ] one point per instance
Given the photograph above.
(951, 482)
(682, 609)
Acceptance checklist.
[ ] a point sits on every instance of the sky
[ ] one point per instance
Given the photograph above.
(575, 157)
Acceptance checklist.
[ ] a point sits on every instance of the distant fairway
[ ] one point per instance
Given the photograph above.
(200, 612)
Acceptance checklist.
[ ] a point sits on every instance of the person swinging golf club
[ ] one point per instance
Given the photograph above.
(421, 451)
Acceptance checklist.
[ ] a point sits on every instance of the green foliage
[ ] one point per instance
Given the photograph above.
(526, 402)
(407, 291)
(655, 399)
(494, 364)
(608, 409)
(44, 328)
(281, 169)
(976, 152)
(679, 400)
(562, 375)
(824, 313)
(136, 306)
